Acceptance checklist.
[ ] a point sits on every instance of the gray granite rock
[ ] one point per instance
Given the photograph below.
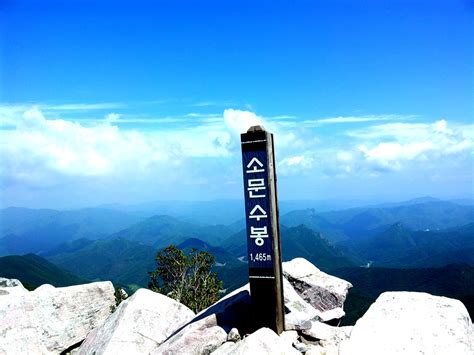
(263, 341)
(138, 325)
(198, 337)
(11, 287)
(412, 323)
(233, 335)
(324, 292)
(328, 333)
(52, 319)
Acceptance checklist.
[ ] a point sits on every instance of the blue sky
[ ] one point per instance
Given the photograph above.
(134, 101)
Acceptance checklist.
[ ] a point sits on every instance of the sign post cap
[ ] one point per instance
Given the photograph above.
(256, 129)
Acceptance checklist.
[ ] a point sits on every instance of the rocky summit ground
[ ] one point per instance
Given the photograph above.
(79, 320)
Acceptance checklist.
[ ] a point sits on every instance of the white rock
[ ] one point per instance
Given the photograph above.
(263, 341)
(324, 292)
(315, 350)
(11, 287)
(302, 269)
(301, 347)
(224, 348)
(289, 336)
(328, 333)
(9, 282)
(138, 325)
(412, 323)
(300, 312)
(198, 337)
(233, 335)
(44, 322)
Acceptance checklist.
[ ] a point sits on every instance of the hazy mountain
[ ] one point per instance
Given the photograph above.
(369, 221)
(161, 231)
(399, 246)
(34, 271)
(119, 260)
(300, 241)
(303, 242)
(128, 262)
(223, 211)
(429, 215)
(26, 230)
(196, 212)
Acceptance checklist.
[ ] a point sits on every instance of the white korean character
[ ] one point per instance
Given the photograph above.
(256, 165)
(258, 213)
(258, 233)
(255, 185)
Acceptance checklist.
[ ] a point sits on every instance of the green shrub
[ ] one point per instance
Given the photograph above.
(186, 278)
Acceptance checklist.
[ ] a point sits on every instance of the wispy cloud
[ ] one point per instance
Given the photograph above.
(356, 119)
(82, 106)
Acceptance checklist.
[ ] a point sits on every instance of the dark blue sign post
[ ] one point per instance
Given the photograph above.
(263, 232)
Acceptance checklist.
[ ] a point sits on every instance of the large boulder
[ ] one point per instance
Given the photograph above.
(208, 330)
(52, 319)
(11, 287)
(138, 325)
(323, 292)
(412, 323)
(300, 313)
(263, 341)
(198, 337)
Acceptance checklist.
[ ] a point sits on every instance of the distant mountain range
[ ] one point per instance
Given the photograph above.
(160, 231)
(398, 246)
(120, 244)
(359, 223)
(24, 230)
(122, 261)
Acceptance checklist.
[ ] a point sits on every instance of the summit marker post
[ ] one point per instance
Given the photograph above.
(263, 230)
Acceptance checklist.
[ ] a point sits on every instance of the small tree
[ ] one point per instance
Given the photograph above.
(186, 278)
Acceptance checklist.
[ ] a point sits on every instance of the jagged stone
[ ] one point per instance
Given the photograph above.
(10, 282)
(412, 323)
(198, 337)
(233, 335)
(328, 333)
(325, 293)
(232, 311)
(11, 287)
(301, 347)
(138, 325)
(263, 341)
(299, 312)
(52, 319)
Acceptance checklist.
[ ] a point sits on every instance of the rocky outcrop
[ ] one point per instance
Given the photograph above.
(138, 325)
(11, 287)
(198, 337)
(412, 323)
(263, 341)
(325, 293)
(51, 320)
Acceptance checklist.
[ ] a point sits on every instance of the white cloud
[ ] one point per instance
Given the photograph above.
(82, 106)
(37, 151)
(43, 147)
(240, 121)
(391, 146)
(355, 119)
